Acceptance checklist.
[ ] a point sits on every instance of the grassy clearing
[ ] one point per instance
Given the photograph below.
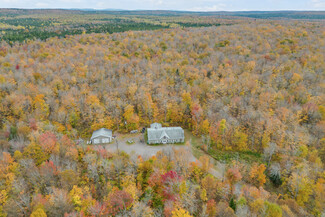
(228, 156)
(128, 135)
(195, 142)
(221, 156)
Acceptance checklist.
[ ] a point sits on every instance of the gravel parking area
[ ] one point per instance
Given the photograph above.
(141, 148)
(146, 151)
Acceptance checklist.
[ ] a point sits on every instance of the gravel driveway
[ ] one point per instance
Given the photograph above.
(141, 148)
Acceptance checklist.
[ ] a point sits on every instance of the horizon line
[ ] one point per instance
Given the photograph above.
(171, 10)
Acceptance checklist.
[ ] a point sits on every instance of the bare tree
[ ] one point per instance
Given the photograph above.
(270, 151)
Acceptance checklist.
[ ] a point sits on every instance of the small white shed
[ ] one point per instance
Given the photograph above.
(101, 136)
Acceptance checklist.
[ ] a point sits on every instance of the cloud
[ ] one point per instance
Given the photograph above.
(191, 5)
(217, 7)
(318, 4)
(70, 1)
(42, 5)
(9, 1)
(100, 5)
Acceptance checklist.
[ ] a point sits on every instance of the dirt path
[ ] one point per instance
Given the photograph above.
(141, 148)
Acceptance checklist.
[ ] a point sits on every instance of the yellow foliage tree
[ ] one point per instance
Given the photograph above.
(205, 127)
(300, 187)
(203, 195)
(40, 106)
(3, 200)
(131, 119)
(76, 194)
(257, 174)
(205, 161)
(179, 212)
(81, 198)
(38, 213)
(102, 123)
(239, 140)
(129, 185)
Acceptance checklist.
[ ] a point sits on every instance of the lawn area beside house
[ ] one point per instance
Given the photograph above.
(220, 155)
(243, 156)
(195, 142)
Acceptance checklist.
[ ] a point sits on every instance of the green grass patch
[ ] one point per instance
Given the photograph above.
(228, 156)
(223, 156)
(195, 142)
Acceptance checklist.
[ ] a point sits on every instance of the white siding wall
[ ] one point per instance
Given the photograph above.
(101, 140)
(105, 140)
(168, 141)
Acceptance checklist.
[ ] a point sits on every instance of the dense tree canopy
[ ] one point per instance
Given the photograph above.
(254, 88)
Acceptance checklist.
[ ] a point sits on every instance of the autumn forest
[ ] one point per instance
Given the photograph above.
(250, 90)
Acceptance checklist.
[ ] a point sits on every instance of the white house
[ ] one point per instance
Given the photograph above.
(101, 136)
(158, 134)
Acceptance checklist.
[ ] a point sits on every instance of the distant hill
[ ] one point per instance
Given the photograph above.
(250, 14)
(29, 24)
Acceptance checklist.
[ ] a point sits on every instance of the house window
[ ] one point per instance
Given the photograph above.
(96, 141)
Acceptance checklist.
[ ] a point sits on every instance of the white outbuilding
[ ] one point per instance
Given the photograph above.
(101, 136)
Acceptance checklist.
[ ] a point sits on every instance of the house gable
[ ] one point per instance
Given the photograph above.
(164, 135)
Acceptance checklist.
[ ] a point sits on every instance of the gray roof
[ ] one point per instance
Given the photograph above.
(170, 132)
(155, 125)
(102, 132)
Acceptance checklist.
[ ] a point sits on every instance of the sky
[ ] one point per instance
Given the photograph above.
(186, 5)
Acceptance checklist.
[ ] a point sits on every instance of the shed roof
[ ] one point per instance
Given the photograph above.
(171, 132)
(102, 132)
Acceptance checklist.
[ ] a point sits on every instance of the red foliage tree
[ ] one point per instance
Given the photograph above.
(171, 182)
(48, 169)
(118, 201)
(233, 176)
(211, 208)
(48, 141)
(32, 124)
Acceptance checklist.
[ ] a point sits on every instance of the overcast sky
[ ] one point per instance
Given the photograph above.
(191, 5)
